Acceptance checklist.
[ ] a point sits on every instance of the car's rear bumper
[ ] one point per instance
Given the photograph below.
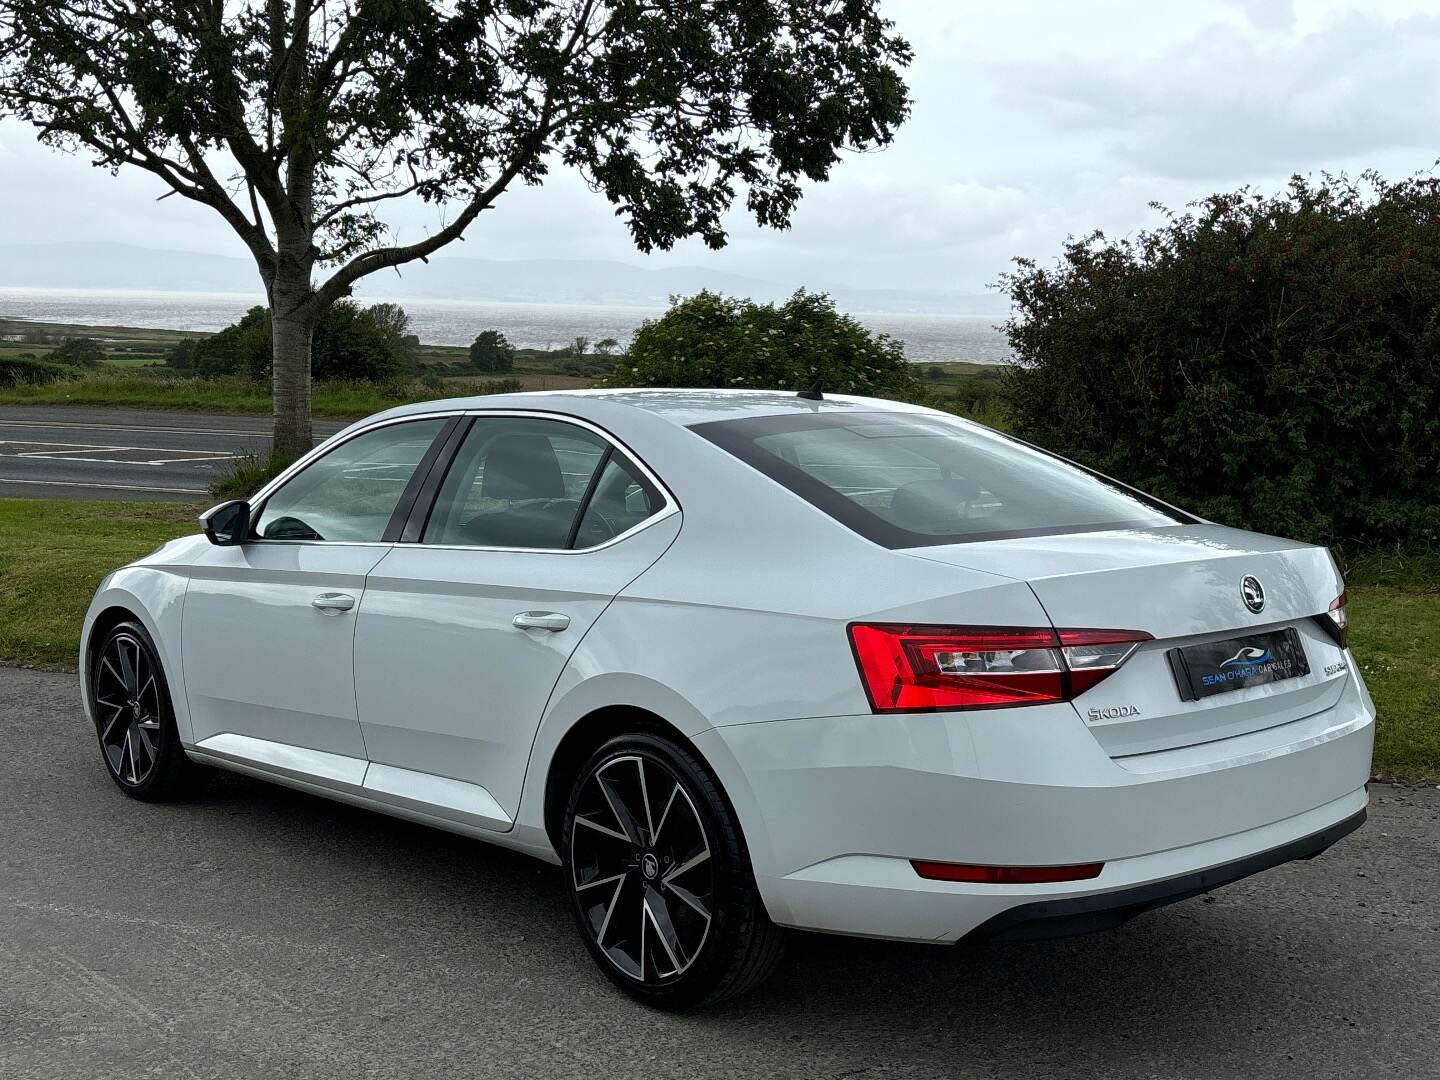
(1042, 919)
(834, 809)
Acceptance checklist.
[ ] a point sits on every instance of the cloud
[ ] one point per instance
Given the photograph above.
(1269, 14)
(1228, 103)
(1032, 120)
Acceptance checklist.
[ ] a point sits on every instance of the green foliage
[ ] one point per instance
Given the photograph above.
(78, 352)
(350, 342)
(496, 386)
(977, 396)
(605, 346)
(491, 352)
(26, 370)
(1269, 362)
(362, 344)
(246, 475)
(242, 349)
(596, 365)
(719, 341)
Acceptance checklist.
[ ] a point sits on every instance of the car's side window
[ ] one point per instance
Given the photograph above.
(621, 499)
(516, 482)
(351, 492)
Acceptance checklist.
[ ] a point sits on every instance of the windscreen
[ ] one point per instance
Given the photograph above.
(912, 480)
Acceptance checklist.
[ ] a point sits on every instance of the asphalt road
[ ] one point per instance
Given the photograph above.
(258, 932)
(60, 452)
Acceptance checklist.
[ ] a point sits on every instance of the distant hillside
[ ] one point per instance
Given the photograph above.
(82, 265)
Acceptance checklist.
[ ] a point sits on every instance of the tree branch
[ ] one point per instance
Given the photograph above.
(363, 200)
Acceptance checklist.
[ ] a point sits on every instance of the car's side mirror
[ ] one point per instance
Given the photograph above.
(228, 523)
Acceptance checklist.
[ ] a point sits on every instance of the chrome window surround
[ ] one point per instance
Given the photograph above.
(671, 504)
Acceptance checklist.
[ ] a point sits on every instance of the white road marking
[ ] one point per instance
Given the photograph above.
(107, 487)
(84, 448)
(88, 448)
(128, 427)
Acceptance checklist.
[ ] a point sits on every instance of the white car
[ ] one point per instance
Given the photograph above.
(742, 661)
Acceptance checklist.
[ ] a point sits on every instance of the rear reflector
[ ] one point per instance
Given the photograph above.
(924, 668)
(1005, 875)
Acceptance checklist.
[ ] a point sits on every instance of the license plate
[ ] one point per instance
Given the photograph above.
(1218, 667)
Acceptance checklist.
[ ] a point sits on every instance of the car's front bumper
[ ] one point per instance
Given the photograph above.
(834, 809)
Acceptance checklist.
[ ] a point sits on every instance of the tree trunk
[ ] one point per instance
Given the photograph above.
(292, 313)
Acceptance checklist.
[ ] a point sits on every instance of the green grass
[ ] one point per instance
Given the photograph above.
(144, 390)
(247, 475)
(54, 553)
(1395, 635)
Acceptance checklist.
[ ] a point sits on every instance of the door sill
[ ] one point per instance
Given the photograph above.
(406, 792)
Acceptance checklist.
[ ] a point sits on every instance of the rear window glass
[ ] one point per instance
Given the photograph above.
(909, 480)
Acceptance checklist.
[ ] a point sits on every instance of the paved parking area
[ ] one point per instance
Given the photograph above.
(58, 452)
(258, 932)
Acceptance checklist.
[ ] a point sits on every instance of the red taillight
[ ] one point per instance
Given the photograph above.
(1339, 622)
(1005, 875)
(919, 668)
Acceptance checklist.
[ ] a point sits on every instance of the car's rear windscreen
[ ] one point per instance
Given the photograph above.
(913, 480)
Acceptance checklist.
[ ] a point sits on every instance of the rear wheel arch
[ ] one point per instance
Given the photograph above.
(586, 736)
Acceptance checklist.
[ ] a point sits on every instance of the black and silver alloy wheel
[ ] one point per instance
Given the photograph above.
(130, 700)
(128, 708)
(660, 878)
(641, 868)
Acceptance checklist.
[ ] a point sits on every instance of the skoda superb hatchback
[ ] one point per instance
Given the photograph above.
(742, 661)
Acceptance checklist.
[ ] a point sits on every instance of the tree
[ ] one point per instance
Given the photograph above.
(298, 122)
(79, 352)
(366, 344)
(1272, 362)
(491, 352)
(579, 347)
(605, 346)
(350, 342)
(242, 348)
(720, 341)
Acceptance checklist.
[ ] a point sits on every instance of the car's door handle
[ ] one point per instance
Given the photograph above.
(332, 603)
(541, 620)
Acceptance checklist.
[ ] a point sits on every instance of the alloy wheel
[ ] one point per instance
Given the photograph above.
(127, 709)
(642, 871)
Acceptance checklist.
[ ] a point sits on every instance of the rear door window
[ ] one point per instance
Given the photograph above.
(516, 482)
(910, 480)
(531, 483)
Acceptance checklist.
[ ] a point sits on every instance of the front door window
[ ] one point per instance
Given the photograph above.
(350, 493)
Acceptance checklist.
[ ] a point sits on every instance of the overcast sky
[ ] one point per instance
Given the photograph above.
(1033, 119)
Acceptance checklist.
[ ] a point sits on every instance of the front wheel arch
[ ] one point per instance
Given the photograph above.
(106, 621)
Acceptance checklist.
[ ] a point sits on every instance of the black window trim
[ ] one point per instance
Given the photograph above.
(736, 437)
(417, 514)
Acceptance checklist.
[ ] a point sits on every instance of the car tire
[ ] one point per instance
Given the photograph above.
(135, 721)
(659, 877)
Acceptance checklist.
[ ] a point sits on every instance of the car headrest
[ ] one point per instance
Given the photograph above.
(931, 506)
(522, 465)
